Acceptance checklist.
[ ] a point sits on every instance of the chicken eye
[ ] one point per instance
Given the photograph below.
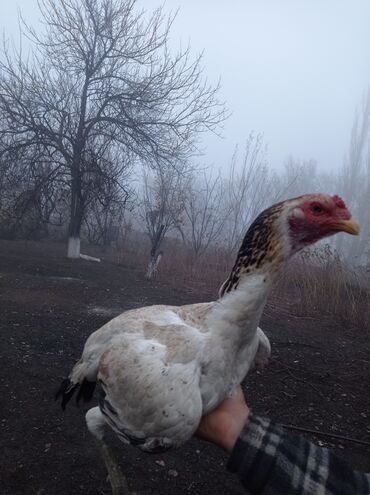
(317, 209)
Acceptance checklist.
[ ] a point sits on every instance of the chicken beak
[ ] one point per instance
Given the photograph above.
(350, 226)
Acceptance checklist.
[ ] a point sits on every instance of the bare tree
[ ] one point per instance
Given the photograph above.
(29, 201)
(106, 207)
(300, 177)
(102, 75)
(248, 189)
(203, 214)
(162, 206)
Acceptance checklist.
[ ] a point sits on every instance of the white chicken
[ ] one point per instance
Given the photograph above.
(161, 368)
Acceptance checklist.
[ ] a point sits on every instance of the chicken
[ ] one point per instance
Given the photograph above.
(161, 368)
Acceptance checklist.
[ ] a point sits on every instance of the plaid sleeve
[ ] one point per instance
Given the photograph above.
(273, 461)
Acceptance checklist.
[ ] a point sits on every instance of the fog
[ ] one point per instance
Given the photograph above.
(74, 142)
(294, 71)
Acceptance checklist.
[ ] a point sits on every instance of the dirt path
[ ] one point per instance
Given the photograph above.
(317, 378)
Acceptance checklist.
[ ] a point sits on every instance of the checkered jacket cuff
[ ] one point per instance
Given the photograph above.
(254, 454)
(272, 461)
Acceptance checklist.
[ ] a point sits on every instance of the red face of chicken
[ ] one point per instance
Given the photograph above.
(285, 228)
(319, 216)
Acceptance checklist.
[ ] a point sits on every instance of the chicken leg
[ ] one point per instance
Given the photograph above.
(96, 423)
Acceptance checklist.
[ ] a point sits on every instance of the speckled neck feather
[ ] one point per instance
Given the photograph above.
(261, 248)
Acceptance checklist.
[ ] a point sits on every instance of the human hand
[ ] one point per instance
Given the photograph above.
(223, 425)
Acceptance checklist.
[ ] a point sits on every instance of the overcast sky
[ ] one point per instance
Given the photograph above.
(294, 70)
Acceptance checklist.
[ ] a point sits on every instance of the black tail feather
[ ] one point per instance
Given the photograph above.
(68, 388)
(86, 391)
(66, 391)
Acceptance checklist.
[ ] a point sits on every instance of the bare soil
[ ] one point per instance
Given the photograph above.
(318, 378)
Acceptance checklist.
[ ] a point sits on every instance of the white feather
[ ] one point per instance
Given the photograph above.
(163, 367)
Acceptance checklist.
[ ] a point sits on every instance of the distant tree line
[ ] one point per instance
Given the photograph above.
(216, 209)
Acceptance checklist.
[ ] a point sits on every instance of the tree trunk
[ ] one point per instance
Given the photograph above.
(77, 202)
(153, 265)
(73, 247)
(75, 222)
(155, 254)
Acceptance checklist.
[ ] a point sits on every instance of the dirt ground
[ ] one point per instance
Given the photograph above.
(318, 378)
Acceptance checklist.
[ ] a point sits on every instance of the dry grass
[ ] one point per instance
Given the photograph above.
(316, 283)
(178, 267)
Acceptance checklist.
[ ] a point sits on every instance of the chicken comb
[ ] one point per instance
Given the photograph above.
(339, 201)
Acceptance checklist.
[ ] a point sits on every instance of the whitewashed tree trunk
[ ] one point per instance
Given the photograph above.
(153, 266)
(73, 247)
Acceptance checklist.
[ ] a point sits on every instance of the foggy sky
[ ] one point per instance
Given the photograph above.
(294, 70)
